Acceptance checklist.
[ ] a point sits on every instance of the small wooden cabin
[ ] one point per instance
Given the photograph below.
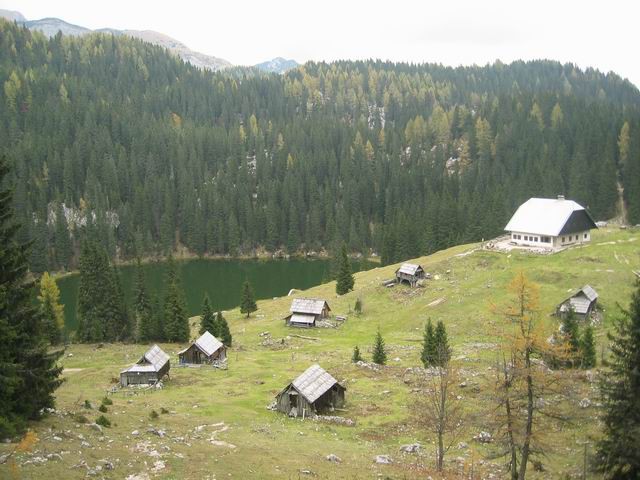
(206, 349)
(150, 369)
(583, 303)
(306, 311)
(315, 391)
(410, 273)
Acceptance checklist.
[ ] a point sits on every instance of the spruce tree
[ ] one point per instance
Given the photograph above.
(379, 353)
(176, 320)
(28, 370)
(428, 355)
(570, 332)
(358, 307)
(442, 349)
(144, 328)
(356, 357)
(247, 300)
(62, 240)
(224, 334)
(618, 452)
(51, 309)
(207, 319)
(91, 302)
(587, 348)
(344, 279)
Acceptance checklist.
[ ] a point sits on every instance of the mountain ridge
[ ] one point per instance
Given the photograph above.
(50, 26)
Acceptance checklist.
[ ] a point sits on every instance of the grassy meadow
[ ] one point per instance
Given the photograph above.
(217, 426)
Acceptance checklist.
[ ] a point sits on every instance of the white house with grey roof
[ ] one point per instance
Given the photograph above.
(306, 311)
(206, 349)
(151, 367)
(551, 223)
(312, 392)
(582, 303)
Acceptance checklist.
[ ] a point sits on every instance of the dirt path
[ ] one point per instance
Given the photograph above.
(71, 370)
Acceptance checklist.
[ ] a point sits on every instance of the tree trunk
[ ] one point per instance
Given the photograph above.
(512, 446)
(529, 426)
(440, 455)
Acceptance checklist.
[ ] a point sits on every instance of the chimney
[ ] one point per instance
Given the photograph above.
(560, 197)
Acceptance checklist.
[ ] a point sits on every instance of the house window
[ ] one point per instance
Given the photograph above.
(562, 239)
(586, 235)
(545, 240)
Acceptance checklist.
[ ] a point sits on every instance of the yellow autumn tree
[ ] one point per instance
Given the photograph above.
(523, 379)
(52, 310)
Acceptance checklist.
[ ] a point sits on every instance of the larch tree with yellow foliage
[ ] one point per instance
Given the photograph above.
(523, 379)
(51, 309)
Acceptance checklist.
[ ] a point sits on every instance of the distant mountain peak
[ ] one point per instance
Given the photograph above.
(277, 65)
(12, 16)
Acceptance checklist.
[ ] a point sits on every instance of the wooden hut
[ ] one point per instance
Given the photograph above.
(306, 311)
(312, 392)
(206, 349)
(583, 303)
(150, 369)
(410, 273)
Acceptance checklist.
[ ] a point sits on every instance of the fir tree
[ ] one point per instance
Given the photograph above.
(207, 319)
(571, 334)
(618, 453)
(62, 240)
(51, 309)
(90, 308)
(587, 348)
(442, 349)
(379, 353)
(144, 329)
(344, 279)
(176, 320)
(358, 307)
(428, 355)
(224, 334)
(247, 300)
(28, 371)
(356, 357)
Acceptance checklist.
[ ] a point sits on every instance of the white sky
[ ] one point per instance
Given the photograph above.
(604, 35)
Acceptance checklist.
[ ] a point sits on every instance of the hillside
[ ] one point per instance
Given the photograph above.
(397, 159)
(51, 26)
(253, 442)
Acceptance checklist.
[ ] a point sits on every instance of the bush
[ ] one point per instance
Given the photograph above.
(153, 414)
(356, 355)
(103, 421)
(358, 307)
(164, 410)
(78, 418)
(87, 405)
(107, 401)
(103, 408)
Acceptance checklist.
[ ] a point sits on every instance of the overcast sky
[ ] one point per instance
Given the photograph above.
(604, 35)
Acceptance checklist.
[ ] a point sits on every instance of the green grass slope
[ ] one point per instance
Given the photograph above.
(218, 426)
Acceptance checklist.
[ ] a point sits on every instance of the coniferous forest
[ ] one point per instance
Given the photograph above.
(116, 139)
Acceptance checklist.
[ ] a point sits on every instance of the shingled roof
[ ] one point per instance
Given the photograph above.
(312, 306)
(155, 357)
(313, 383)
(550, 216)
(207, 343)
(409, 268)
(581, 300)
(152, 361)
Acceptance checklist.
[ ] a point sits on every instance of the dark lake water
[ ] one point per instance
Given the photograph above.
(220, 279)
